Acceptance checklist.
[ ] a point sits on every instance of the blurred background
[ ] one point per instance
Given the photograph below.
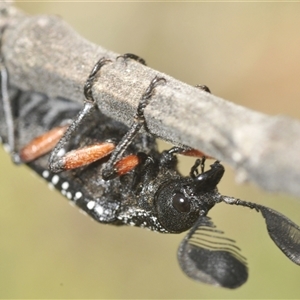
(247, 53)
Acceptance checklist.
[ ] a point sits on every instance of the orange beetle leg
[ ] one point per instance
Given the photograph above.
(42, 144)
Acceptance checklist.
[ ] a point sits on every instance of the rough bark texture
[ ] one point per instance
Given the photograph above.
(42, 53)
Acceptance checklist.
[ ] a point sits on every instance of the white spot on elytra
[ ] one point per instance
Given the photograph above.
(65, 185)
(91, 204)
(61, 152)
(64, 192)
(55, 179)
(45, 173)
(99, 209)
(69, 195)
(78, 195)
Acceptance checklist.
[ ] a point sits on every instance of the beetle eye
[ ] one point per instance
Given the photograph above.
(176, 212)
(181, 203)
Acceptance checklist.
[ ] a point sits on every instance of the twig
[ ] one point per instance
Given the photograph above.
(44, 54)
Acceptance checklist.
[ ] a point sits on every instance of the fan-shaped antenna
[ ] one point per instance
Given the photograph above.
(207, 256)
(284, 232)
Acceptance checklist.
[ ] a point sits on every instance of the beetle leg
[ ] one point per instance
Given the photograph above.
(58, 160)
(109, 170)
(135, 57)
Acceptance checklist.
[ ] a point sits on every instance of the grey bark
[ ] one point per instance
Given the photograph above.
(42, 53)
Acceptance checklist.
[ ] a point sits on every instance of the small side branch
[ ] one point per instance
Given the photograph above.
(44, 54)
